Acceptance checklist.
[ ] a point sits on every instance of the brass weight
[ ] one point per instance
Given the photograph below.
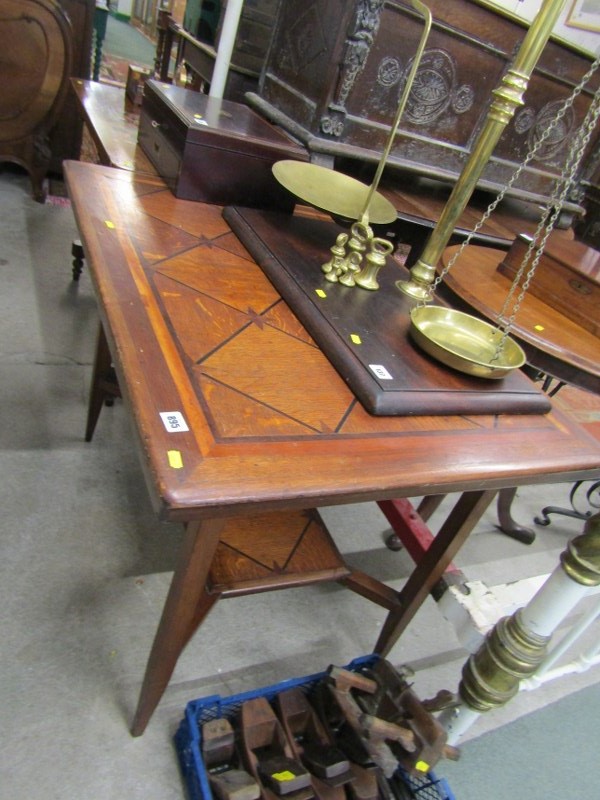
(375, 260)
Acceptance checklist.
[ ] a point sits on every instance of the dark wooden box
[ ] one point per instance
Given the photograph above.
(214, 151)
(336, 69)
(136, 78)
(567, 277)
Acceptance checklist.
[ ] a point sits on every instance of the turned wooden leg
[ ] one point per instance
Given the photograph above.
(186, 606)
(78, 257)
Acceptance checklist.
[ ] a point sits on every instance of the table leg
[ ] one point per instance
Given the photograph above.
(506, 522)
(104, 383)
(100, 23)
(78, 258)
(187, 604)
(459, 524)
(427, 507)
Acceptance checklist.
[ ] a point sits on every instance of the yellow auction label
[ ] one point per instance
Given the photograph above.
(109, 224)
(320, 293)
(175, 460)
(539, 327)
(422, 766)
(286, 775)
(355, 338)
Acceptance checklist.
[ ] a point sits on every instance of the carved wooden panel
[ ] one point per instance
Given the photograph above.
(336, 71)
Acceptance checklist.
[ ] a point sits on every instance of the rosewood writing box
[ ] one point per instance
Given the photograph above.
(213, 150)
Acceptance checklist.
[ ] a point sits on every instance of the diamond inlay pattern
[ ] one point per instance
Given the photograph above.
(224, 312)
(267, 547)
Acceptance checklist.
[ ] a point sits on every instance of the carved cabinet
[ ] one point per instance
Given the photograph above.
(335, 72)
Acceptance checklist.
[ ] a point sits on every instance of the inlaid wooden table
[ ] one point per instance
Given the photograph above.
(112, 121)
(244, 427)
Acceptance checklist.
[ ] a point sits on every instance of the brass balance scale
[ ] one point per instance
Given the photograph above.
(454, 338)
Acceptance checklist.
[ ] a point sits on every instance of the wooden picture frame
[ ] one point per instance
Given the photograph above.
(585, 15)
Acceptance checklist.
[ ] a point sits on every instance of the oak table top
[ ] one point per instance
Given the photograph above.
(237, 412)
(232, 359)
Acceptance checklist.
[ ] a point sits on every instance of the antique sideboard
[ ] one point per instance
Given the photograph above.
(335, 71)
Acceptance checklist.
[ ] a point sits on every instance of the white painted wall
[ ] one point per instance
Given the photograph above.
(122, 7)
(527, 9)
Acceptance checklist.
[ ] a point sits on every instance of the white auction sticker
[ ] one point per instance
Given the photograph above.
(381, 372)
(173, 421)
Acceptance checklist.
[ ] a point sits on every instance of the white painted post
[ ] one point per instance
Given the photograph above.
(227, 40)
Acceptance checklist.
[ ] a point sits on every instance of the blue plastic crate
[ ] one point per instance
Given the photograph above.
(188, 739)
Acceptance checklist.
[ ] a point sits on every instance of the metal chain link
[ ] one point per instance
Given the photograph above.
(568, 103)
(553, 209)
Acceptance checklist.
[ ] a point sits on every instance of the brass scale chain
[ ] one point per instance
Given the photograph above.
(551, 211)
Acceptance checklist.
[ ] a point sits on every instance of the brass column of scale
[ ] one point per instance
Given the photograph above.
(348, 199)
(508, 97)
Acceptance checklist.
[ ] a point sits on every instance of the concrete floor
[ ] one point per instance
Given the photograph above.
(85, 565)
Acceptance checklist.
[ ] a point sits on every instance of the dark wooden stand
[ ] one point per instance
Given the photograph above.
(365, 334)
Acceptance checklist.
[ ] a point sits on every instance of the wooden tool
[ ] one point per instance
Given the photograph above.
(364, 785)
(268, 755)
(221, 759)
(395, 712)
(312, 745)
(309, 738)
